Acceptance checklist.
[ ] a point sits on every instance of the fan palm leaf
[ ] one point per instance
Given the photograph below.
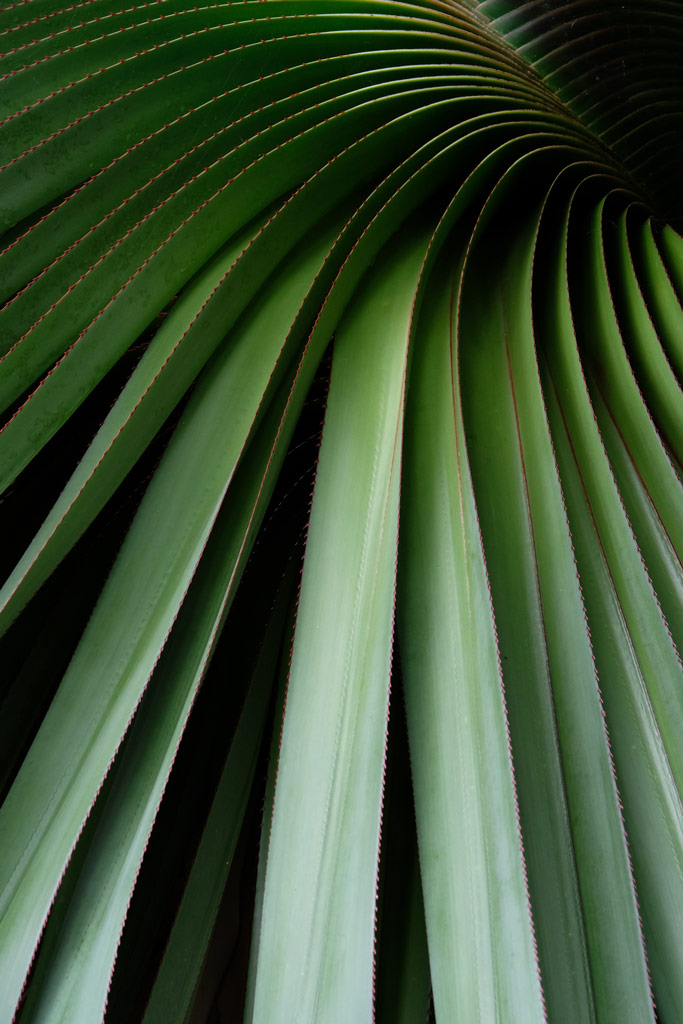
(340, 368)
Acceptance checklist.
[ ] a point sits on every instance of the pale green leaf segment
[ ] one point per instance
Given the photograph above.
(478, 914)
(321, 871)
(195, 202)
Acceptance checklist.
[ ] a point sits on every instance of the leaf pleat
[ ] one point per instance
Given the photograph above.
(341, 661)
(478, 916)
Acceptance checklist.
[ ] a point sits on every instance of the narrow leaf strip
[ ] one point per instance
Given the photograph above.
(479, 927)
(317, 932)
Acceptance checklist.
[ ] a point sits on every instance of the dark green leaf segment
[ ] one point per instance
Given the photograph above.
(341, 455)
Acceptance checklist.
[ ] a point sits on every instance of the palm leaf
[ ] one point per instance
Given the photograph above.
(400, 283)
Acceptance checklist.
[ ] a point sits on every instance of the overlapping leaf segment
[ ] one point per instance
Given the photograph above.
(470, 201)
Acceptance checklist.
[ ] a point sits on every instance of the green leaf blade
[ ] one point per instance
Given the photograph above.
(479, 926)
(343, 641)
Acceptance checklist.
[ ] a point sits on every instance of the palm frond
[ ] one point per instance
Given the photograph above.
(340, 369)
